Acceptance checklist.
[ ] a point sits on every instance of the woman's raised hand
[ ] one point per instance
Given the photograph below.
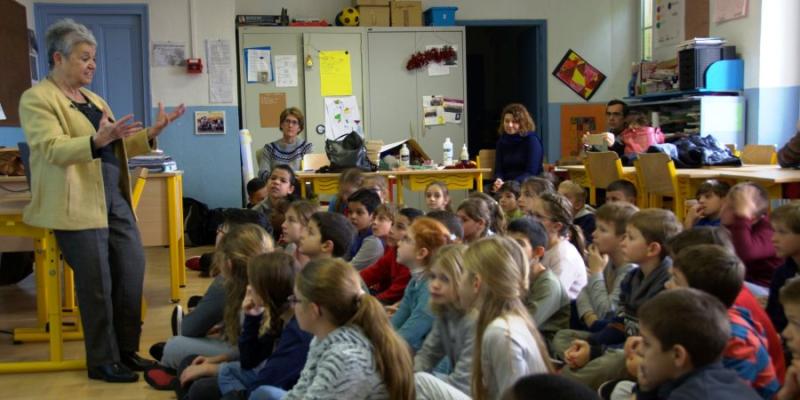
(163, 119)
(109, 131)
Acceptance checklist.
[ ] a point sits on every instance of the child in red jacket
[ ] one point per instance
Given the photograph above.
(386, 278)
(744, 213)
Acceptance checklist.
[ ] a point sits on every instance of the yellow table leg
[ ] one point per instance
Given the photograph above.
(181, 232)
(302, 183)
(400, 200)
(69, 288)
(479, 181)
(174, 258)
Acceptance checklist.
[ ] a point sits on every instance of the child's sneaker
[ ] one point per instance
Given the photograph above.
(193, 263)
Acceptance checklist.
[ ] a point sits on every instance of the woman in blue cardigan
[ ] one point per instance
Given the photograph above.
(519, 150)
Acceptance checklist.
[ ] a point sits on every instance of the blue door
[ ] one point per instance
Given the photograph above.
(122, 75)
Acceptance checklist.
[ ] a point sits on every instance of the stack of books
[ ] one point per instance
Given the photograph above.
(701, 42)
(156, 161)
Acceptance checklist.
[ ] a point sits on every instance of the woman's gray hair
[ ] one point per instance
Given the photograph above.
(63, 35)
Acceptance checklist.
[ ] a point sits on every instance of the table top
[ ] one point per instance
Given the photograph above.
(409, 172)
(768, 175)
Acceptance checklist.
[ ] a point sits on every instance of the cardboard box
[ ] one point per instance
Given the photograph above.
(406, 13)
(374, 16)
(373, 3)
(416, 154)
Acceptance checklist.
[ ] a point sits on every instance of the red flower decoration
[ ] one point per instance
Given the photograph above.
(437, 55)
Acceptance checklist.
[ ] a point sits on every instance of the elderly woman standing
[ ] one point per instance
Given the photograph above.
(288, 150)
(81, 189)
(519, 152)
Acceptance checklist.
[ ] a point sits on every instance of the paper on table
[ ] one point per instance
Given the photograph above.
(341, 116)
(169, 54)
(334, 73)
(433, 110)
(258, 63)
(270, 107)
(286, 71)
(220, 71)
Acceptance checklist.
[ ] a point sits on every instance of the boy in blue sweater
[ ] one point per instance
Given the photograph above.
(367, 248)
(598, 357)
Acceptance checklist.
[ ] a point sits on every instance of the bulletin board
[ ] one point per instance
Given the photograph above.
(16, 59)
(577, 119)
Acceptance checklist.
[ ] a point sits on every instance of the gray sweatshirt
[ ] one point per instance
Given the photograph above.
(508, 352)
(452, 336)
(548, 304)
(340, 366)
(601, 293)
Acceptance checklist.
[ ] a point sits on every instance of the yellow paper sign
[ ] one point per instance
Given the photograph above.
(334, 73)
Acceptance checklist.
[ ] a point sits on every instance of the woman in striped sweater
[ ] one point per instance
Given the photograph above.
(355, 353)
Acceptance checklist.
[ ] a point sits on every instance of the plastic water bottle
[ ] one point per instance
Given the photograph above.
(405, 156)
(447, 151)
(464, 157)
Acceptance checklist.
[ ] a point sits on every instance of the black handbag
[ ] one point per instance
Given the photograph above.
(348, 152)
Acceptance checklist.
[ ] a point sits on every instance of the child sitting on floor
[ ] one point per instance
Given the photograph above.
(684, 332)
(530, 189)
(621, 190)
(744, 213)
(508, 196)
(582, 213)
(367, 248)
(705, 212)
(387, 278)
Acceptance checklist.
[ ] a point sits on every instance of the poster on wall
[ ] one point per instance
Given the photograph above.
(209, 122)
(729, 10)
(341, 116)
(220, 71)
(169, 54)
(433, 110)
(580, 76)
(668, 24)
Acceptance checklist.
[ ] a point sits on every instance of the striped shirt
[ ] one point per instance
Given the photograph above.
(340, 366)
(746, 353)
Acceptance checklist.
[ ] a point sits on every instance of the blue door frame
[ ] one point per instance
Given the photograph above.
(42, 10)
(540, 55)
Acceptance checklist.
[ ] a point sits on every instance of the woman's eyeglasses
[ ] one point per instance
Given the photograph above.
(291, 122)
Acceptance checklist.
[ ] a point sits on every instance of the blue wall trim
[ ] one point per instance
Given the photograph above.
(211, 163)
(11, 135)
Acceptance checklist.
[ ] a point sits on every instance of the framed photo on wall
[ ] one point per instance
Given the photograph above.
(209, 122)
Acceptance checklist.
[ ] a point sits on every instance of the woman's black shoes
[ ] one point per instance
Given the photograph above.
(134, 362)
(113, 373)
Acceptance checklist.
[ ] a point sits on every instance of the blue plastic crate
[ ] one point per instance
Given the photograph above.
(440, 16)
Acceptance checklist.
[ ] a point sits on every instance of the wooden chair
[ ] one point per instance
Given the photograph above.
(486, 159)
(657, 179)
(765, 154)
(602, 168)
(314, 161)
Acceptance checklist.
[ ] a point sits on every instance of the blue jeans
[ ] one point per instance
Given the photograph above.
(231, 377)
(267, 393)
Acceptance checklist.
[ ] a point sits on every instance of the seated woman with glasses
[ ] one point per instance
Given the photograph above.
(289, 149)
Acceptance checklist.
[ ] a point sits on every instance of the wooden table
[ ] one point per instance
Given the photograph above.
(417, 180)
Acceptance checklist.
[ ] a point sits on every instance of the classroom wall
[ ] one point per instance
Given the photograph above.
(211, 163)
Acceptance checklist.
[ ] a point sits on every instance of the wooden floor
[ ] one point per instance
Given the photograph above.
(18, 309)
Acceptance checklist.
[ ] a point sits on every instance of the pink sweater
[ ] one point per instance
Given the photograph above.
(637, 140)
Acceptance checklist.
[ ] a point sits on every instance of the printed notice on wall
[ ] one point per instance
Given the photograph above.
(270, 106)
(169, 54)
(334, 73)
(220, 71)
(258, 64)
(286, 71)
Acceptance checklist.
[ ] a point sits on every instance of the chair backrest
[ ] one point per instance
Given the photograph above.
(25, 155)
(486, 159)
(314, 161)
(760, 154)
(602, 168)
(657, 174)
(138, 187)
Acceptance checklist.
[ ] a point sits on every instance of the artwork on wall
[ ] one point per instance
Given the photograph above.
(576, 120)
(583, 78)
